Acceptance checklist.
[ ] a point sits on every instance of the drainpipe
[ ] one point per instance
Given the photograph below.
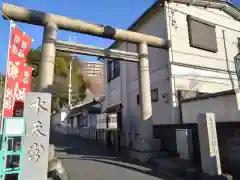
(226, 57)
(180, 107)
(170, 53)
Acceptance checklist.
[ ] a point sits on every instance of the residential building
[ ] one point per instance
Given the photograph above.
(82, 119)
(204, 38)
(93, 69)
(59, 117)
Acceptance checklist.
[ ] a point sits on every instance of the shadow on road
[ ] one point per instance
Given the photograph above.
(88, 150)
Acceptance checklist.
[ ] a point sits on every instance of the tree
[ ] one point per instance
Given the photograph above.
(61, 77)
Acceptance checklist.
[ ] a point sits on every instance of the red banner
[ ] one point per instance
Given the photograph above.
(15, 87)
(24, 85)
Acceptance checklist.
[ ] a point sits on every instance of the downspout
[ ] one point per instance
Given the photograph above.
(121, 81)
(180, 107)
(226, 57)
(170, 53)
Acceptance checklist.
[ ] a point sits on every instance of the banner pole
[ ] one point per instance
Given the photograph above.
(5, 83)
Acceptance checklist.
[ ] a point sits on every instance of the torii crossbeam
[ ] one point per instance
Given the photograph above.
(52, 23)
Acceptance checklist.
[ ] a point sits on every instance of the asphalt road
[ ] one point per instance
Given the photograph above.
(89, 160)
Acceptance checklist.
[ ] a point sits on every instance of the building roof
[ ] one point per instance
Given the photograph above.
(89, 107)
(225, 6)
(113, 109)
(210, 95)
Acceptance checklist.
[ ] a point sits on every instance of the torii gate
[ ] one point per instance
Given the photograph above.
(52, 23)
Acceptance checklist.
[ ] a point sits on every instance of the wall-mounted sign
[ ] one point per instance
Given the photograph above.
(14, 126)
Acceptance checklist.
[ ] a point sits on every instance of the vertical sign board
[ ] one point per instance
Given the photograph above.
(37, 109)
(209, 144)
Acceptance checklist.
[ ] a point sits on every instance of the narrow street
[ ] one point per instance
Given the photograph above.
(87, 160)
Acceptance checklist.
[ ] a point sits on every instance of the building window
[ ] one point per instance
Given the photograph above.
(113, 69)
(154, 96)
(202, 34)
(138, 99)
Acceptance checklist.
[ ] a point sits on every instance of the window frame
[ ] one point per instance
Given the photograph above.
(155, 90)
(113, 69)
(190, 34)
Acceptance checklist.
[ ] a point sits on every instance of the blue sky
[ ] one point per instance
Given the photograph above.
(117, 13)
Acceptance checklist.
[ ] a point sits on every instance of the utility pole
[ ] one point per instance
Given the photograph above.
(70, 77)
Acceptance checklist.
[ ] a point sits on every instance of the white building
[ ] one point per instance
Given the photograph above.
(59, 117)
(204, 39)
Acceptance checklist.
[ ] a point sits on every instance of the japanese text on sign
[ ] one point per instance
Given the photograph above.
(35, 149)
(38, 105)
(8, 99)
(25, 78)
(213, 138)
(13, 70)
(37, 111)
(19, 46)
(37, 129)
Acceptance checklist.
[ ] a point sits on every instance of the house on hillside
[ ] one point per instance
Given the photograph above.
(205, 38)
(82, 119)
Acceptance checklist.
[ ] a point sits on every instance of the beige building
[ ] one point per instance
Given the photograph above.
(93, 69)
(204, 36)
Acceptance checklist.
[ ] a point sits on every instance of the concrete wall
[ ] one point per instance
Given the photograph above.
(224, 108)
(196, 69)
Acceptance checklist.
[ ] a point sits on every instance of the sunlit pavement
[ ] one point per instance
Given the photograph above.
(88, 160)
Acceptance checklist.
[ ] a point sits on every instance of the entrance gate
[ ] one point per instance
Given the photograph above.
(52, 23)
(10, 161)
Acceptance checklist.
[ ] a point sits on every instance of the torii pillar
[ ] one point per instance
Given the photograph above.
(51, 22)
